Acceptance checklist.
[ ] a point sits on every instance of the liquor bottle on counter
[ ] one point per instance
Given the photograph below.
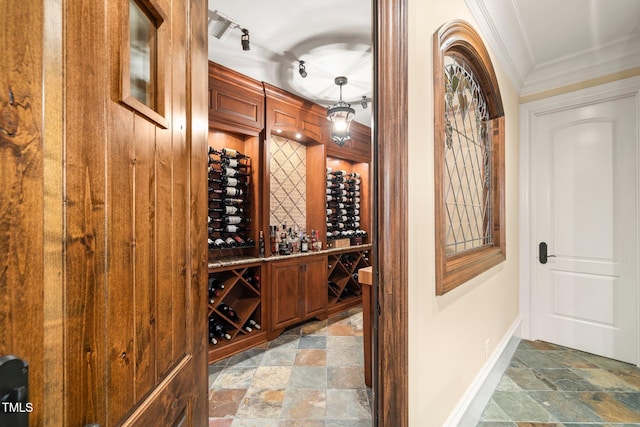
(273, 244)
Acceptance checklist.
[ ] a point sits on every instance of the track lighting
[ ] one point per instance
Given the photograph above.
(364, 102)
(302, 70)
(244, 39)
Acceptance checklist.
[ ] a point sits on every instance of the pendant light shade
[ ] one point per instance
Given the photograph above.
(340, 115)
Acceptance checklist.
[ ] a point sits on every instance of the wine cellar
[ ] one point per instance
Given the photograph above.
(289, 216)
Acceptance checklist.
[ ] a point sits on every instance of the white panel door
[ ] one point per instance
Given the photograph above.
(584, 198)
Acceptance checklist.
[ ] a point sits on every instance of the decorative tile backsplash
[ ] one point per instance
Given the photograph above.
(288, 182)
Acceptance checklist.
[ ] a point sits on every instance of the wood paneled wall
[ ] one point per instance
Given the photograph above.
(102, 218)
(135, 271)
(21, 192)
(390, 201)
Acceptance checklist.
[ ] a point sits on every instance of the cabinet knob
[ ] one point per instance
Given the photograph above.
(303, 267)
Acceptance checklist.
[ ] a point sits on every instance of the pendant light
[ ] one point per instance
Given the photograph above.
(340, 115)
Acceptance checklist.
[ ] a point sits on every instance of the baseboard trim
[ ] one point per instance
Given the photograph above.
(468, 411)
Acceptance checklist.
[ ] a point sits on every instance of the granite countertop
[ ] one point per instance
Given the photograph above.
(239, 260)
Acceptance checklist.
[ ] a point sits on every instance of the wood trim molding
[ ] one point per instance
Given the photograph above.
(390, 190)
(458, 39)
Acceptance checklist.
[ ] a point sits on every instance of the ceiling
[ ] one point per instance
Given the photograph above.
(333, 37)
(544, 44)
(541, 44)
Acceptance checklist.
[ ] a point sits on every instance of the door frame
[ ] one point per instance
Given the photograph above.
(629, 87)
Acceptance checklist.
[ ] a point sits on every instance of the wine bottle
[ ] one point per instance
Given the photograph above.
(233, 163)
(213, 151)
(212, 338)
(254, 324)
(215, 244)
(228, 201)
(214, 283)
(228, 311)
(228, 210)
(217, 329)
(261, 244)
(231, 219)
(230, 182)
(252, 279)
(239, 240)
(234, 154)
(231, 243)
(228, 171)
(227, 229)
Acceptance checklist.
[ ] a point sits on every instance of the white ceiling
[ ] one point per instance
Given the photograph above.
(541, 44)
(333, 37)
(544, 44)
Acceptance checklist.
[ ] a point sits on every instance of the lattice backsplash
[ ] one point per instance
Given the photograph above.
(288, 182)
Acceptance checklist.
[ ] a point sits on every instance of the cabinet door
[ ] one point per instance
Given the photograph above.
(285, 284)
(315, 287)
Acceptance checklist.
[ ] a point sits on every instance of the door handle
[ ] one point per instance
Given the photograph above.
(14, 392)
(542, 253)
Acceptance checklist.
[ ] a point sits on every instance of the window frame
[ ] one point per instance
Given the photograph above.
(159, 64)
(457, 38)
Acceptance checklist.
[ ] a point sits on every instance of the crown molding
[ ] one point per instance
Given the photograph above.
(494, 21)
(597, 62)
(500, 25)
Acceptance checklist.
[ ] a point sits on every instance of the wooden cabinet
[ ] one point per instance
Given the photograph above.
(294, 117)
(357, 149)
(252, 118)
(236, 102)
(344, 289)
(298, 291)
(240, 289)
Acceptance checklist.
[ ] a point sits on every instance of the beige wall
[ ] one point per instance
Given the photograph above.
(447, 334)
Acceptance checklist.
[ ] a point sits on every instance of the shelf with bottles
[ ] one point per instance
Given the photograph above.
(342, 278)
(347, 203)
(234, 310)
(232, 188)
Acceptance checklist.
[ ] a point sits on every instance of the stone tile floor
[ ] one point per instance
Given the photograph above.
(549, 385)
(310, 376)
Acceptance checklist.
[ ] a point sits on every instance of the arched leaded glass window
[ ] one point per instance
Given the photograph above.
(469, 158)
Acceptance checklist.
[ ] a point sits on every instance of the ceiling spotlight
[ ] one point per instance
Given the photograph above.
(302, 70)
(364, 102)
(244, 39)
(340, 116)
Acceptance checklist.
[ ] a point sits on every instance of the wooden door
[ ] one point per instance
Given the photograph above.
(25, 271)
(135, 236)
(315, 286)
(585, 168)
(285, 293)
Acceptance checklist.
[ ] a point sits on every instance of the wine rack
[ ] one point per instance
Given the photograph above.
(229, 223)
(342, 280)
(234, 310)
(343, 206)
